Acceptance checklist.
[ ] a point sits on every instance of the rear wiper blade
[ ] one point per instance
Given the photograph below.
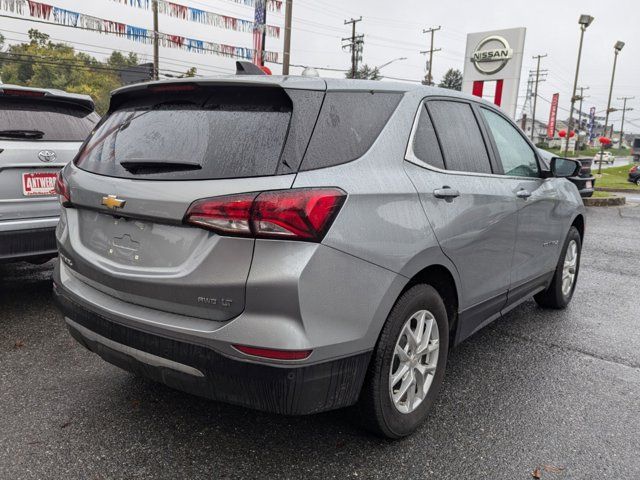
(21, 133)
(146, 167)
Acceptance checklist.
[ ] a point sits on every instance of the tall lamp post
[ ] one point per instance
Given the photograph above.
(584, 21)
(616, 50)
(390, 62)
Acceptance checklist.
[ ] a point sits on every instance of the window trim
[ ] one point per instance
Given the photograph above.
(494, 145)
(411, 157)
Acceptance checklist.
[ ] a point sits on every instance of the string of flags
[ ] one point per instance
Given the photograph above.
(272, 5)
(206, 17)
(70, 18)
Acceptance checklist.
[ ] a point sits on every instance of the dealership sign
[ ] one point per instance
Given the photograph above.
(492, 54)
(492, 66)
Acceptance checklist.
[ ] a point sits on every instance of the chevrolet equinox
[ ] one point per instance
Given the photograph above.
(297, 245)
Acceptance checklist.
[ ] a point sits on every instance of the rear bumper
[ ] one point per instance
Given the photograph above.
(22, 240)
(199, 370)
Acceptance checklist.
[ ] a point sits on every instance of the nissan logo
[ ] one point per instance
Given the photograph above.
(46, 156)
(492, 59)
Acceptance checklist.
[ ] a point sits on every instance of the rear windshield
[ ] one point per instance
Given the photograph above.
(210, 136)
(57, 121)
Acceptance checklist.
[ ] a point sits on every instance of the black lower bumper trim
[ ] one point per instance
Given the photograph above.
(285, 390)
(24, 244)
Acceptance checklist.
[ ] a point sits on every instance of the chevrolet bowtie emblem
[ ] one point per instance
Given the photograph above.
(113, 202)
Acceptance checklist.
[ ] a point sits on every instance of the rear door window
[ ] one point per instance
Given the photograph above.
(462, 144)
(58, 121)
(348, 124)
(221, 134)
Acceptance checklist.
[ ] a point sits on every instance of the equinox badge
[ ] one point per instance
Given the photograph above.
(113, 202)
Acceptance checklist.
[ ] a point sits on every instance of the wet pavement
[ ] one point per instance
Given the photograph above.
(557, 391)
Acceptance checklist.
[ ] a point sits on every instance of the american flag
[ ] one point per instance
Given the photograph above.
(258, 31)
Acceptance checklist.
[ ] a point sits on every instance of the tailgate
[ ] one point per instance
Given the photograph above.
(27, 170)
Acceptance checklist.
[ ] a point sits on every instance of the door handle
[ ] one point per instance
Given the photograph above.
(523, 194)
(446, 192)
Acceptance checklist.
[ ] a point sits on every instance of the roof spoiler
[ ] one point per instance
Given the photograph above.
(84, 101)
(248, 68)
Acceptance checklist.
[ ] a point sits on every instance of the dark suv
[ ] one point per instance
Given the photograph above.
(297, 244)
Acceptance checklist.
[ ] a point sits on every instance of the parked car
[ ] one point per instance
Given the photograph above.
(40, 131)
(635, 149)
(634, 175)
(298, 245)
(604, 157)
(585, 181)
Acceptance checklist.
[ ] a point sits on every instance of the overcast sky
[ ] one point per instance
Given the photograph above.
(394, 29)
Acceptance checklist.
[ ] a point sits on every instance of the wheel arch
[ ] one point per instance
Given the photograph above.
(442, 279)
(578, 222)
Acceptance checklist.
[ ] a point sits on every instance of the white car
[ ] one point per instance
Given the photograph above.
(604, 157)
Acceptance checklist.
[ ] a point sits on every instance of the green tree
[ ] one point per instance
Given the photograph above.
(365, 73)
(452, 80)
(192, 72)
(43, 63)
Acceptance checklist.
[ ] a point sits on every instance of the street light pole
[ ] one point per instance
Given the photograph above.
(390, 62)
(584, 21)
(616, 50)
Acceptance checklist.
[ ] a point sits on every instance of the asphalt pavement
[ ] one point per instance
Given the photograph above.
(551, 392)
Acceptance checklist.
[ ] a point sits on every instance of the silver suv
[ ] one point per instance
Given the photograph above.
(298, 244)
(40, 132)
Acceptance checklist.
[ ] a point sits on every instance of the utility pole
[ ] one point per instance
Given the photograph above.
(156, 50)
(624, 110)
(432, 31)
(582, 97)
(535, 96)
(286, 56)
(354, 43)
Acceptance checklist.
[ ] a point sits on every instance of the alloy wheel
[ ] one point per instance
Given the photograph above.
(414, 362)
(569, 268)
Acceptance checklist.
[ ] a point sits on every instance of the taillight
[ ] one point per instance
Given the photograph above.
(62, 189)
(297, 214)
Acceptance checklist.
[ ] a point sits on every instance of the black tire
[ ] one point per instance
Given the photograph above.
(376, 409)
(553, 297)
(638, 182)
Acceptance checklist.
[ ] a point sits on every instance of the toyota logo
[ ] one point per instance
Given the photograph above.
(46, 156)
(494, 57)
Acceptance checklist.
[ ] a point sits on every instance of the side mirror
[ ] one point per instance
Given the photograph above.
(564, 167)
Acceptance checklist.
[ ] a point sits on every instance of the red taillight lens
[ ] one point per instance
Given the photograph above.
(62, 189)
(301, 214)
(298, 214)
(230, 215)
(274, 354)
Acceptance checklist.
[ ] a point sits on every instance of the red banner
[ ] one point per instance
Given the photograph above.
(553, 113)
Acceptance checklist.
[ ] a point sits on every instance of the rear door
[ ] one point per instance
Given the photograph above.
(541, 217)
(160, 150)
(37, 137)
(472, 211)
